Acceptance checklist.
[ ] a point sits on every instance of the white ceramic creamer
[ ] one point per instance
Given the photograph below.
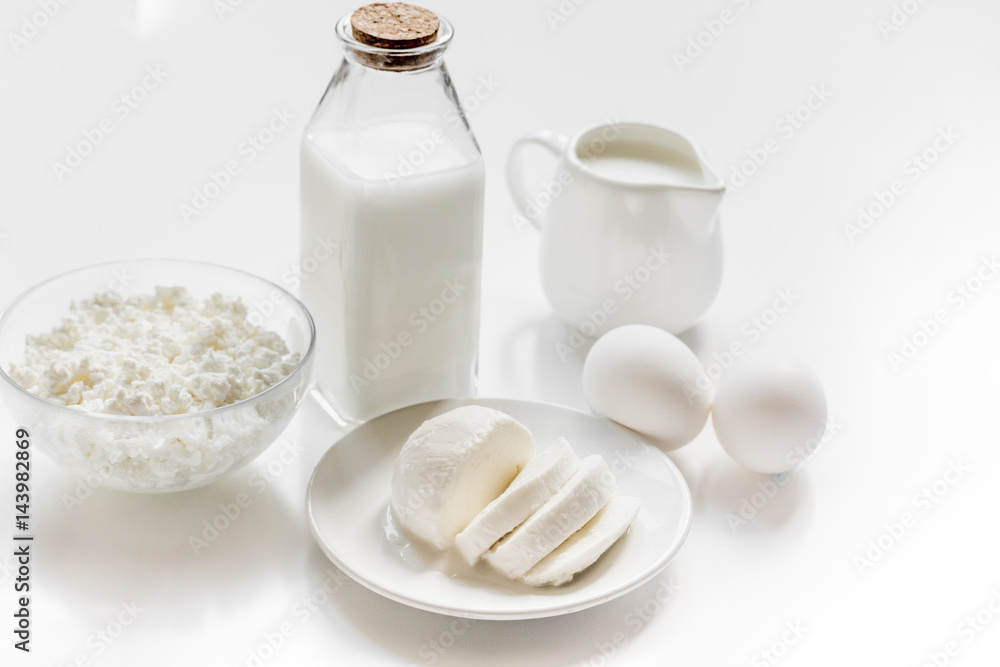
(630, 226)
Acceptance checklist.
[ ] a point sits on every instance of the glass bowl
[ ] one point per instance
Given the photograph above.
(160, 453)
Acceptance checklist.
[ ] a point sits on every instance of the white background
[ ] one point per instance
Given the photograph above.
(562, 66)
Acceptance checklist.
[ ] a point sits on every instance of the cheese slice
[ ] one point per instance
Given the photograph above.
(563, 514)
(585, 546)
(454, 465)
(534, 485)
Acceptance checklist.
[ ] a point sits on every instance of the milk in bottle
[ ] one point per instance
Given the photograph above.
(392, 177)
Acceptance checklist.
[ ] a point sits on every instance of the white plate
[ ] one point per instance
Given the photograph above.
(348, 499)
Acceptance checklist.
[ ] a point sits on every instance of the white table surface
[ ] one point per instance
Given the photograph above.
(561, 65)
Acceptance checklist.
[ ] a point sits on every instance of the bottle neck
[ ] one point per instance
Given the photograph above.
(394, 60)
(394, 100)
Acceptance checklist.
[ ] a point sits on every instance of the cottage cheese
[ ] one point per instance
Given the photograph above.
(161, 354)
(167, 353)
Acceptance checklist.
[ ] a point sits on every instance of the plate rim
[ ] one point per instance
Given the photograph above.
(504, 615)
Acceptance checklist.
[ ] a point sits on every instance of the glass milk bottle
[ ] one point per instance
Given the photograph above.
(392, 180)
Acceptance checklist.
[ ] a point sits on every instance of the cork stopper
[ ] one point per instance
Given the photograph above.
(394, 25)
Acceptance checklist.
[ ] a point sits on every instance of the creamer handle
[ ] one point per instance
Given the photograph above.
(556, 143)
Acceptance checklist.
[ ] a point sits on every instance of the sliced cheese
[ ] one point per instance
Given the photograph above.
(584, 547)
(534, 485)
(567, 511)
(454, 465)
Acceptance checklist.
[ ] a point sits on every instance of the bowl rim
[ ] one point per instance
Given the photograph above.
(148, 419)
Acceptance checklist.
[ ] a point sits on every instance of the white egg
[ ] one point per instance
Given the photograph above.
(647, 380)
(766, 409)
